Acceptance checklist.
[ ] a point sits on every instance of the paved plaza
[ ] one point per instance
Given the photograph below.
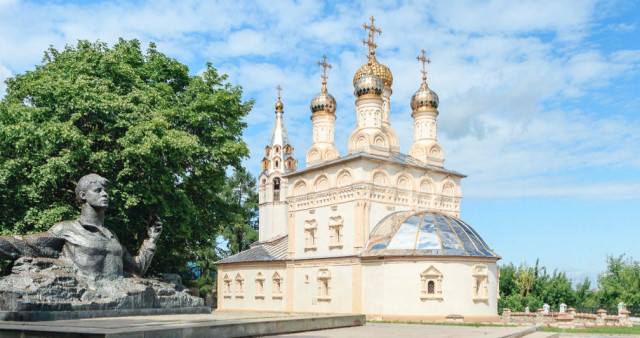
(216, 324)
(380, 330)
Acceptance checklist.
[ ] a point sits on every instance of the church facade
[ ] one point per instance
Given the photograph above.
(373, 231)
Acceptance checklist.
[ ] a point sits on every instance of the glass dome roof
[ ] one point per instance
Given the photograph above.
(425, 233)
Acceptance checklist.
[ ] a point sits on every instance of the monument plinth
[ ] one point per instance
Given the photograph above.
(79, 269)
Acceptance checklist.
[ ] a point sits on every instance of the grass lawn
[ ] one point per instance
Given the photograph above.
(613, 330)
(438, 323)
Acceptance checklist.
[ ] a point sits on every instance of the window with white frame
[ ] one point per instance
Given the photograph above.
(277, 286)
(239, 286)
(324, 290)
(480, 281)
(259, 286)
(431, 281)
(226, 286)
(310, 235)
(335, 232)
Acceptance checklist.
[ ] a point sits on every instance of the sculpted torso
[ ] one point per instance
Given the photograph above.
(85, 242)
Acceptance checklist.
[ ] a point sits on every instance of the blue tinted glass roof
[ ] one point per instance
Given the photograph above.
(425, 233)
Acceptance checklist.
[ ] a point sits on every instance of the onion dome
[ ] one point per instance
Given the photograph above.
(378, 69)
(369, 84)
(323, 102)
(425, 233)
(424, 97)
(279, 106)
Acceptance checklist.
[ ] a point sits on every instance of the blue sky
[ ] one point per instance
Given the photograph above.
(539, 100)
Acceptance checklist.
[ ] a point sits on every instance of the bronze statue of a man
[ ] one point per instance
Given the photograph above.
(85, 242)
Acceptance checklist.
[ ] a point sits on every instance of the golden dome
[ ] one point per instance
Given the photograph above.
(378, 69)
(369, 84)
(424, 97)
(279, 105)
(323, 101)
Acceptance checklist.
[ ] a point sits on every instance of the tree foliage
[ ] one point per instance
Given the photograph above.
(620, 282)
(162, 137)
(241, 221)
(533, 287)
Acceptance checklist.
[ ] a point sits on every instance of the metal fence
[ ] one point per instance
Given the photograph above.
(612, 311)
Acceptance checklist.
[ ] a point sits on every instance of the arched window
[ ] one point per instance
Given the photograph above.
(226, 290)
(335, 232)
(259, 286)
(239, 286)
(324, 290)
(431, 279)
(277, 286)
(480, 281)
(310, 229)
(276, 189)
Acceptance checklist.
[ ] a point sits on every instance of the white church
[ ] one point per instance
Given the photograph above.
(373, 231)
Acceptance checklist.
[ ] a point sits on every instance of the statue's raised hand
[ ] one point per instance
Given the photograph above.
(155, 229)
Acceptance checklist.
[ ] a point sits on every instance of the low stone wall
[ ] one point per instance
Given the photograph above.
(568, 319)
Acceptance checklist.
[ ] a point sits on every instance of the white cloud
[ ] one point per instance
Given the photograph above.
(4, 74)
(503, 71)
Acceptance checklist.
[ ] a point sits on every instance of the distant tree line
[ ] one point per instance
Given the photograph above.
(532, 286)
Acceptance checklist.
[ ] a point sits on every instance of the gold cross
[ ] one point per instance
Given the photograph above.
(324, 66)
(372, 30)
(279, 89)
(424, 61)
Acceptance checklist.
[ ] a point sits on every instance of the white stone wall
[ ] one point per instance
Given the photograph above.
(273, 215)
(249, 301)
(393, 287)
(323, 246)
(307, 297)
(389, 287)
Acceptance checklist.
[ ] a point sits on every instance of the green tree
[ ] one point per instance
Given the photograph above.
(508, 284)
(162, 137)
(620, 282)
(585, 296)
(525, 279)
(241, 221)
(558, 289)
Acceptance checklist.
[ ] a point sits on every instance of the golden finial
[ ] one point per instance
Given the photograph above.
(424, 61)
(279, 104)
(372, 30)
(324, 76)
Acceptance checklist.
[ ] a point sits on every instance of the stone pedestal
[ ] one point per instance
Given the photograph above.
(51, 289)
(623, 317)
(540, 316)
(564, 321)
(602, 314)
(506, 315)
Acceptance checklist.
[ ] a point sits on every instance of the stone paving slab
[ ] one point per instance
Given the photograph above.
(381, 330)
(218, 324)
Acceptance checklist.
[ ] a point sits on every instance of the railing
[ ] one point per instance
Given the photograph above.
(611, 311)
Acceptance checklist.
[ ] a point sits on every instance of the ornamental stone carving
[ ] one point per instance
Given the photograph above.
(80, 265)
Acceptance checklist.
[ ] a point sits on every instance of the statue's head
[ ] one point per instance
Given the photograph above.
(92, 189)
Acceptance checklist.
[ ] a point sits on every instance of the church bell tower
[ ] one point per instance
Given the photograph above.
(278, 160)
